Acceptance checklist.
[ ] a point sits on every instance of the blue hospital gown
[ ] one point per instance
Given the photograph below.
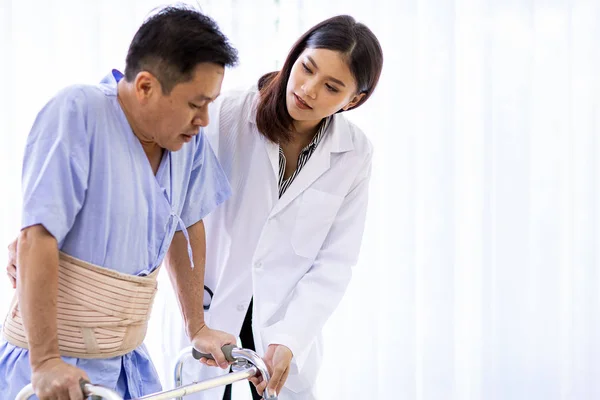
(87, 180)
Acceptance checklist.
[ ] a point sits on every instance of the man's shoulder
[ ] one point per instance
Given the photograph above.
(80, 97)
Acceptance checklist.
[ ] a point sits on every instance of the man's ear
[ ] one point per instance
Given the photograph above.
(146, 85)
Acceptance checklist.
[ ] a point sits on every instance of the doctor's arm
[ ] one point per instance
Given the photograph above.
(321, 289)
(188, 285)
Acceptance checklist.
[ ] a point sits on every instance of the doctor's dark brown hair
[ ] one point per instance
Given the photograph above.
(341, 33)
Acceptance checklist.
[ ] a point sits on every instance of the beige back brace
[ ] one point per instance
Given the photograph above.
(101, 313)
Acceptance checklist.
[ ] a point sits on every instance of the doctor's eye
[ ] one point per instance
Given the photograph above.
(331, 88)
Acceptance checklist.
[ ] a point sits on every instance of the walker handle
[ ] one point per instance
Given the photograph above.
(225, 349)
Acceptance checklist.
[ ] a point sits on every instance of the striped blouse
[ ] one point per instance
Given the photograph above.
(302, 158)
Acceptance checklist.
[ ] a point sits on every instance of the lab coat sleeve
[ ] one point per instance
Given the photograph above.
(321, 289)
(212, 130)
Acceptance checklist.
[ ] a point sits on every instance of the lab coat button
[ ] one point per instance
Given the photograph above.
(241, 307)
(258, 264)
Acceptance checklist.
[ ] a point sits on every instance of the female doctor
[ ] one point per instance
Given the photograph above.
(280, 251)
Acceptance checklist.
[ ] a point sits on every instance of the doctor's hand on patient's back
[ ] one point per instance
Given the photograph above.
(210, 341)
(11, 268)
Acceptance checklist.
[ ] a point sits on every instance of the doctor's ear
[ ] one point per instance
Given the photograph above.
(355, 100)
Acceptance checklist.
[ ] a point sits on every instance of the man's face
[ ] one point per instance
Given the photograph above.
(174, 119)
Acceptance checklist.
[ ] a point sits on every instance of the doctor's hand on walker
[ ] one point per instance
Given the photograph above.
(278, 359)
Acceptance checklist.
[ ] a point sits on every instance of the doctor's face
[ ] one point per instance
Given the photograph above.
(175, 118)
(320, 84)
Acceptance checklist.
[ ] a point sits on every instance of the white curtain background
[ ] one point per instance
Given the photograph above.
(479, 274)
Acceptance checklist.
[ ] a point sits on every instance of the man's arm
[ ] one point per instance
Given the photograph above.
(188, 285)
(38, 292)
(37, 288)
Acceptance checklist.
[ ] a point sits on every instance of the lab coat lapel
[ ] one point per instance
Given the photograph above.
(336, 140)
(316, 166)
(272, 150)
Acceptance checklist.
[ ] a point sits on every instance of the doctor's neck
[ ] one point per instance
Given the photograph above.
(305, 130)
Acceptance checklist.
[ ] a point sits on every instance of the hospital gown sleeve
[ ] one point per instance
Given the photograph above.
(56, 164)
(208, 186)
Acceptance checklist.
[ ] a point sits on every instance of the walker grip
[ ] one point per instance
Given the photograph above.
(225, 349)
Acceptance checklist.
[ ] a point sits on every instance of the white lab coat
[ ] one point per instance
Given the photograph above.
(294, 254)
